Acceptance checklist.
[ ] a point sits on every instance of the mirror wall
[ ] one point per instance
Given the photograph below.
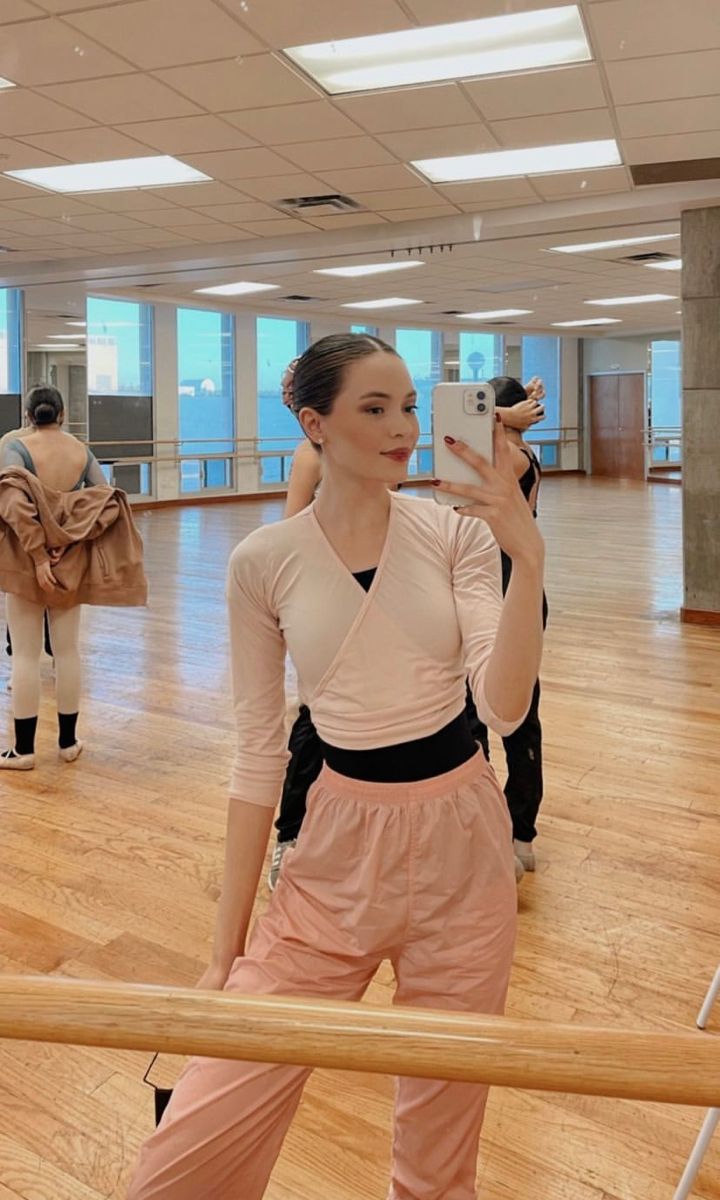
(55, 347)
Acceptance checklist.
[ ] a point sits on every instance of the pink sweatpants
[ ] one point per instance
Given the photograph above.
(421, 874)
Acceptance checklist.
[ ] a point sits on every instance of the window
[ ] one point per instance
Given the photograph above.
(422, 350)
(665, 393)
(279, 341)
(119, 348)
(9, 341)
(541, 356)
(206, 403)
(481, 356)
(373, 330)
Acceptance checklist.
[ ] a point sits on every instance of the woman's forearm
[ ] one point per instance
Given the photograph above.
(248, 832)
(514, 663)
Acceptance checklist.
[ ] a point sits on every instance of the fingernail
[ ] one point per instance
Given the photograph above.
(497, 417)
(449, 441)
(436, 482)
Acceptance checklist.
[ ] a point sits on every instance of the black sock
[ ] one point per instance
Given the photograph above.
(67, 723)
(25, 735)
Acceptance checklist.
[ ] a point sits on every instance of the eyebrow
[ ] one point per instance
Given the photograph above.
(386, 396)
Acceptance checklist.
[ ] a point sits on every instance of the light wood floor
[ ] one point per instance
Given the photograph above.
(110, 868)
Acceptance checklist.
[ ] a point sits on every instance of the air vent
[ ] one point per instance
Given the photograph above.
(320, 206)
(654, 256)
(503, 323)
(148, 285)
(302, 298)
(647, 174)
(452, 312)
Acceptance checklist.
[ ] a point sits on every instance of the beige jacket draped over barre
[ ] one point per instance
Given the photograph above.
(102, 563)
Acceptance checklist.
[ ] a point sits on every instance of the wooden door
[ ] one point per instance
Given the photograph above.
(617, 424)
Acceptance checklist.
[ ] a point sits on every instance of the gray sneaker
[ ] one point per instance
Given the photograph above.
(279, 852)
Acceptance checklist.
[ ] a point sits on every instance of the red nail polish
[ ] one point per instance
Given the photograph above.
(498, 418)
(435, 482)
(449, 441)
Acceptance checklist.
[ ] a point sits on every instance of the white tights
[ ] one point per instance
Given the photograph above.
(25, 622)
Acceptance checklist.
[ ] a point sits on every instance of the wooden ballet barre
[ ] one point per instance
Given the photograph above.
(671, 1068)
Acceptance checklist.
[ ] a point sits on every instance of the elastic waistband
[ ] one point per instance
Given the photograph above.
(405, 793)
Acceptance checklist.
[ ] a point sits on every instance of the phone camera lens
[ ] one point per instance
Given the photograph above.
(482, 407)
(481, 395)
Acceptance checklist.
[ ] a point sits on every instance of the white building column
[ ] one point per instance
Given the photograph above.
(166, 475)
(247, 466)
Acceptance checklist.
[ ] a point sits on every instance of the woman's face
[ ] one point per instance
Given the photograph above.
(373, 427)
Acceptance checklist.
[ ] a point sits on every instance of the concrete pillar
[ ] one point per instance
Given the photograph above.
(701, 414)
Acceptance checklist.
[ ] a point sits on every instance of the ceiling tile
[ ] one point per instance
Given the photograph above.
(422, 197)
(46, 51)
(238, 164)
(624, 29)
(285, 123)
(104, 222)
(239, 213)
(669, 77)
(88, 145)
(372, 179)
(235, 84)
(554, 128)
(192, 195)
(479, 206)
(280, 187)
(215, 232)
(674, 148)
(155, 237)
(133, 201)
(537, 92)
(170, 217)
(346, 220)
(409, 108)
(582, 183)
(340, 153)
(487, 190)
(18, 10)
(284, 24)
(279, 228)
(15, 156)
(152, 33)
(23, 112)
(49, 206)
(63, 6)
(424, 143)
(35, 226)
(187, 135)
(11, 190)
(118, 101)
(420, 214)
(670, 116)
(437, 12)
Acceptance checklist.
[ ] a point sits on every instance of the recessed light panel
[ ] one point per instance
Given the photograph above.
(588, 247)
(672, 264)
(506, 164)
(114, 175)
(578, 324)
(369, 268)
(651, 299)
(237, 289)
(524, 41)
(388, 302)
(497, 313)
(6, 83)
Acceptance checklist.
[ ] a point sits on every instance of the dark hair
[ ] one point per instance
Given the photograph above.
(44, 405)
(318, 375)
(507, 391)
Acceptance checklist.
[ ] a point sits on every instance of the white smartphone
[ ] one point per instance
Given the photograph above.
(466, 412)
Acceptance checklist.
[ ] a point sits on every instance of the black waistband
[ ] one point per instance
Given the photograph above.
(407, 762)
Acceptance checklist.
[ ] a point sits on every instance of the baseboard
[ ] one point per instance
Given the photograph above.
(191, 501)
(699, 616)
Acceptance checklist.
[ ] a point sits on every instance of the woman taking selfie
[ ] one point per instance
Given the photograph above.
(386, 604)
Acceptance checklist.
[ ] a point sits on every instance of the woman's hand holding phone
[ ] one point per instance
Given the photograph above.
(497, 499)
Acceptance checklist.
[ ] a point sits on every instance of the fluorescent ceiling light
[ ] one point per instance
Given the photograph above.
(70, 337)
(524, 41)
(6, 83)
(390, 302)
(113, 176)
(52, 346)
(586, 247)
(651, 299)
(237, 289)
(369, 268)
(596, 321)
(505, 164)
(672, 264)
(500, 312)
(79, 324)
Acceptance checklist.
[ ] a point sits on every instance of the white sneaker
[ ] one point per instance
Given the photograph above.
(519, 869)
(70, 753)
(10, 760)
(279, 853)
(524, 853)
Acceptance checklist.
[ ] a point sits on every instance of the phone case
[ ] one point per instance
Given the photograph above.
(465, 411)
